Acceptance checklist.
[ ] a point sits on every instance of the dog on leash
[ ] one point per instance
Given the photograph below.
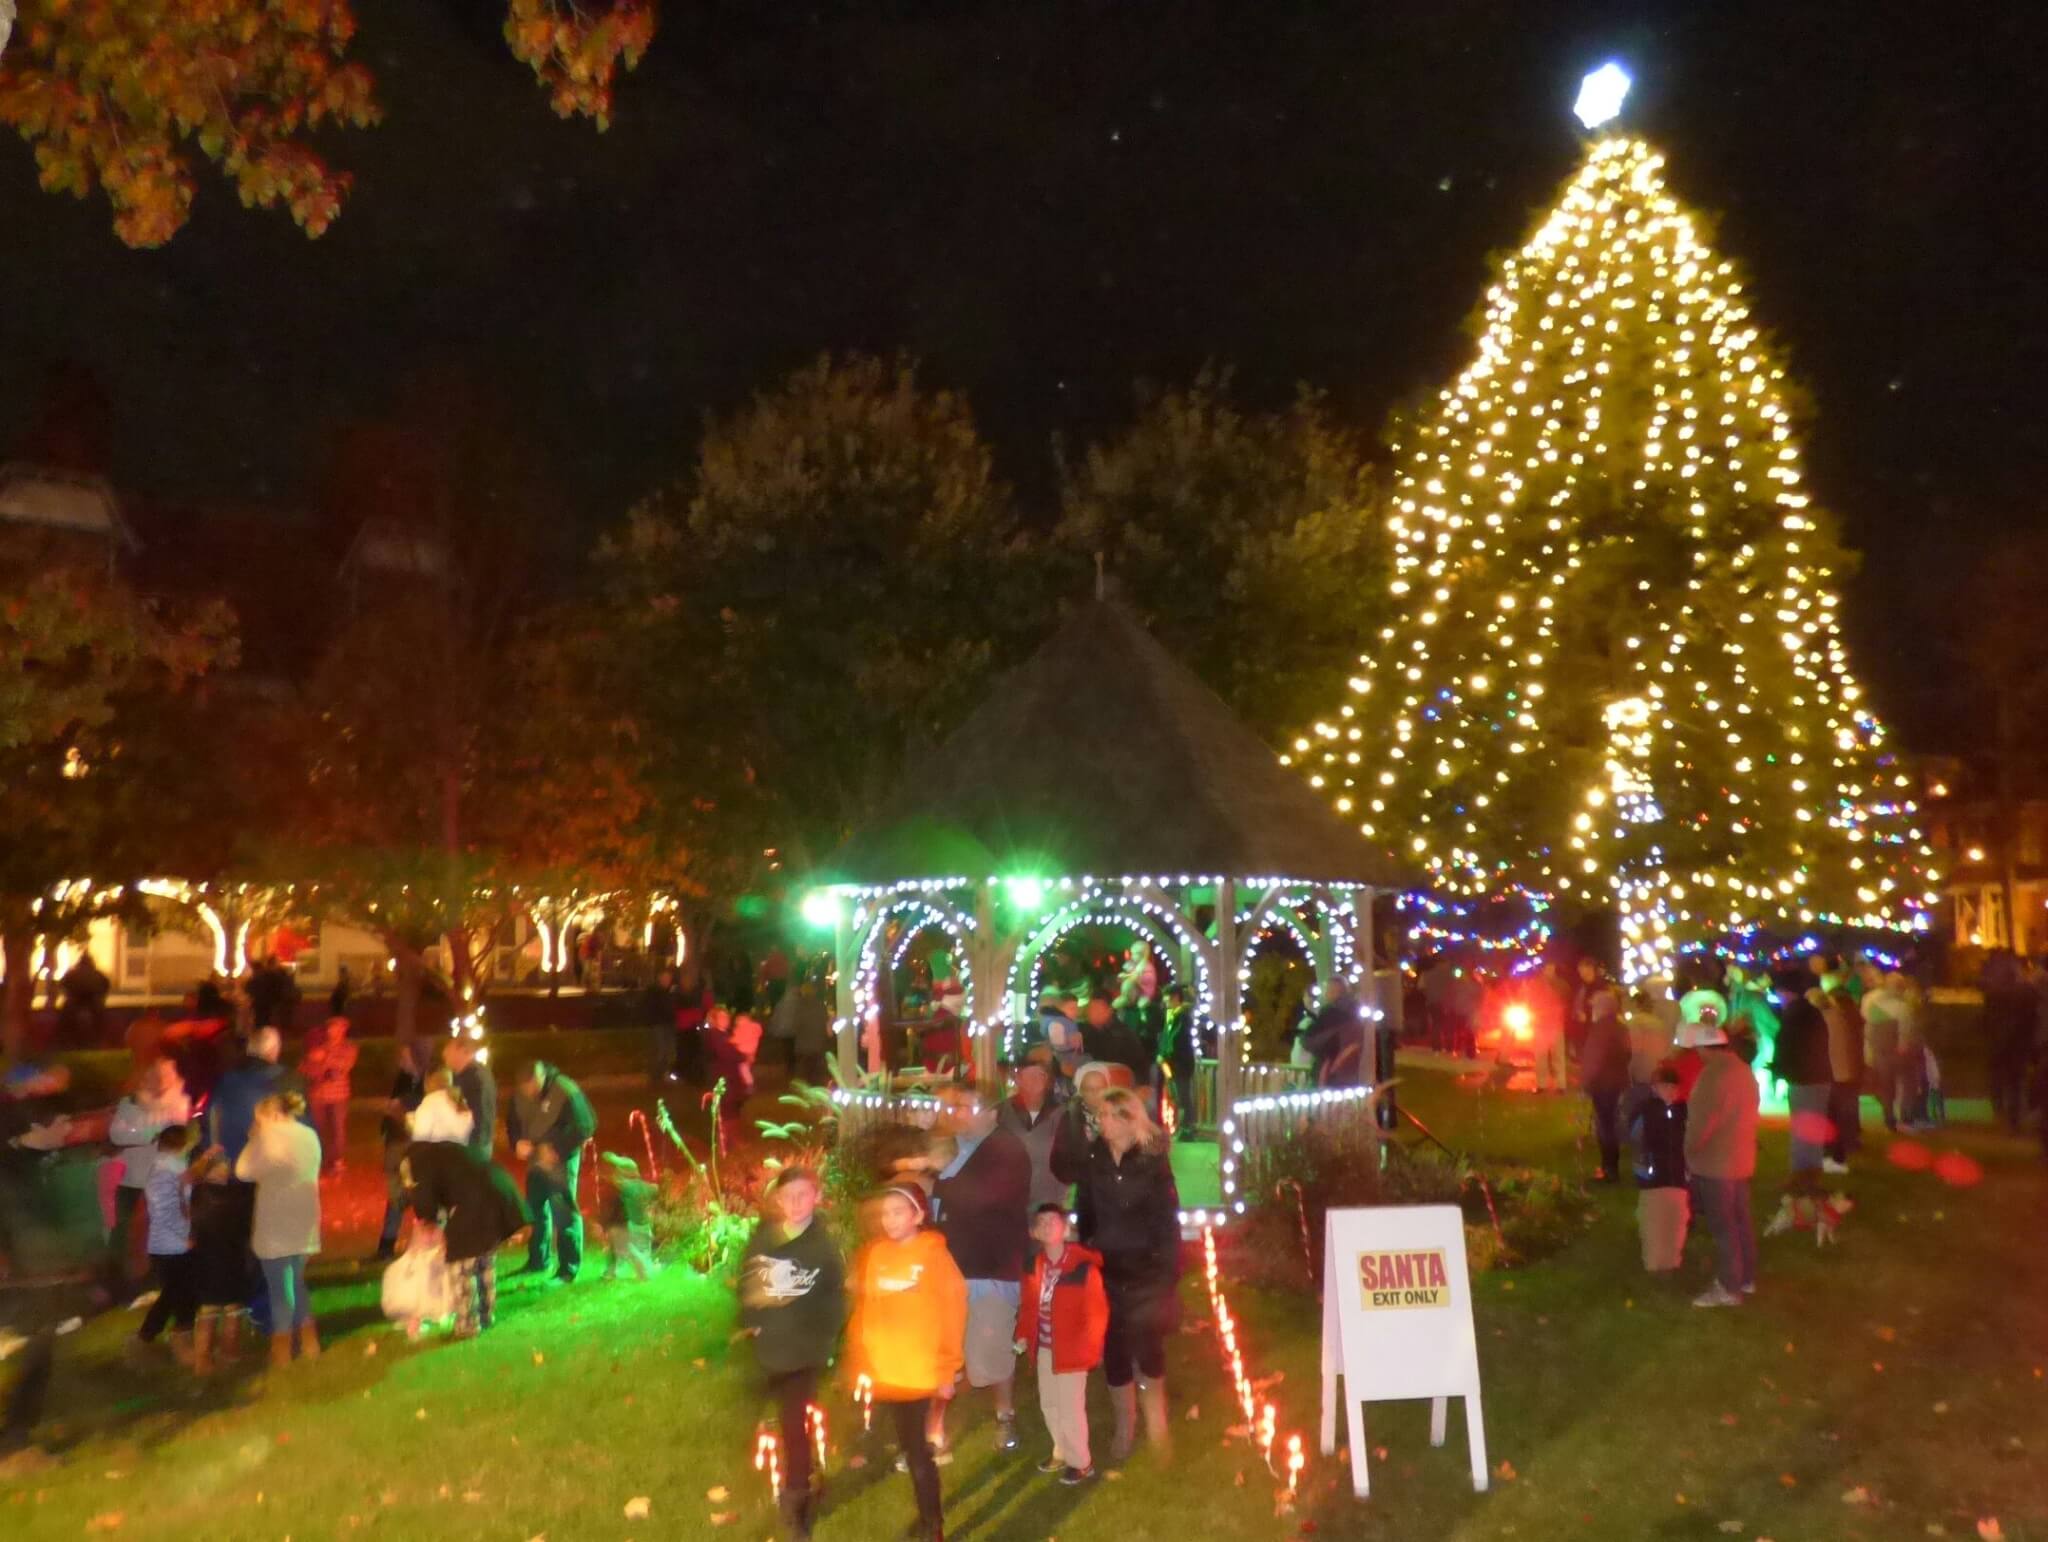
(1821, 1214)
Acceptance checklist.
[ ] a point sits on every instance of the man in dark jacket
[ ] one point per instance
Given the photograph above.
(1337, 1040)
(1603, 1062)
(228, 1121)
(1108, 1038)
(242, 1086)
(1177, 1056)
(479, 1091)
(1803, 1064)
(793, 1303)
(549, 1121)
(658, 1004)
(982, 1202)
(408, 1086)
(478, 1207)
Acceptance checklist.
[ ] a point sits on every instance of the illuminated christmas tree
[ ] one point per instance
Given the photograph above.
(1617, 675)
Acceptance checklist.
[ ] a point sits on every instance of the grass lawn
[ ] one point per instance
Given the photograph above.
(1885, 1388)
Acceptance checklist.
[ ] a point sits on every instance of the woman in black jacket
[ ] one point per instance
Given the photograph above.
(1130, 1213)
(477, 1206)
(1801, 1061)
(408, 1086)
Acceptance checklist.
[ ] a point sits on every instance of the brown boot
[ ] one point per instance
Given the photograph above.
(280, 1350)
(1123, 1402)
(1158, 1432)
(202, 1345)
(309, 1340)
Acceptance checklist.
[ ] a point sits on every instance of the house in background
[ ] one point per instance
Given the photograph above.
(1993, 854)
(69, 507)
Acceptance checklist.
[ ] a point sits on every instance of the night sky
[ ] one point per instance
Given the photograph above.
(1047, 201)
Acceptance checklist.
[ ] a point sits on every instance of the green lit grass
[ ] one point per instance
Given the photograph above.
(1608, 1395)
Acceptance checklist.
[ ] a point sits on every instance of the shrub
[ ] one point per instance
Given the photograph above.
(1345, 1163)
(705, 1211)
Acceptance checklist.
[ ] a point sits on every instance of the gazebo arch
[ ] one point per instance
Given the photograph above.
(1161, 809)
(921, 912)
(1163, 928)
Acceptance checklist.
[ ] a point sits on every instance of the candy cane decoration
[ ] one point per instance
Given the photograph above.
(1295, 1462)
(864, 1394)
(768, 1459)
(639, 1117)
(814, 1422)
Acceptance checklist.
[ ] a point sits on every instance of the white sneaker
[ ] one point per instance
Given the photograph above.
(1717, 1295)
(1749, 1289)
(1835, 1169)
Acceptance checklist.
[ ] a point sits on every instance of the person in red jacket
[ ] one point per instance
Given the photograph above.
(1063, 1316)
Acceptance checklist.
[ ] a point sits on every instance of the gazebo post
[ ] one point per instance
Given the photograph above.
(1229, 1002)
(848, 1037)
(988, 982)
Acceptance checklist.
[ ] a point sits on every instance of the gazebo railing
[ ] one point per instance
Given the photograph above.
(1253, 1081)
(858, 1112)
(1261, 1121)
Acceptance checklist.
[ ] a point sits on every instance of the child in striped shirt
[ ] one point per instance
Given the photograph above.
(168, 1194)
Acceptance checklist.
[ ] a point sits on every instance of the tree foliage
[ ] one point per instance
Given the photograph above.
(829, 587)
(449, 745)
(95, 698)
(130, 97)
(576, 48)
(127, 97)
(1248, 542)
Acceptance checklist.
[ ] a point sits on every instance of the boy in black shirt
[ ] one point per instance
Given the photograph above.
(793, 1303)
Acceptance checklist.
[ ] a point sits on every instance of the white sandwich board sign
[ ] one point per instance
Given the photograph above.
(1397, 1323)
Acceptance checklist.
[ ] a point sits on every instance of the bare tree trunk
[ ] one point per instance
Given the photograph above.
(406, 1014)
(17, 948)
(461, 969)
(2008, 822)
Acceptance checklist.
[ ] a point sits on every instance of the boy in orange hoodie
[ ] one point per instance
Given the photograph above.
(1063, 1317)
(907, 1335)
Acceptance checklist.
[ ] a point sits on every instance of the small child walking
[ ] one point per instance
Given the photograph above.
(908, 1335)
(624, 1202)
(1062, 1318)
(167, 1191)
(220, 1261)
(793, 1304)
(1663, 1207)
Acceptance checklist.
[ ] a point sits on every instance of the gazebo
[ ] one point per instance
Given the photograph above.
(1101, 783)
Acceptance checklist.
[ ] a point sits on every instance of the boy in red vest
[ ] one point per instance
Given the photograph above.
(1062, 1317)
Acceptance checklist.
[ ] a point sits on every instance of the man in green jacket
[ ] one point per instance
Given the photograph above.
(549, 1121)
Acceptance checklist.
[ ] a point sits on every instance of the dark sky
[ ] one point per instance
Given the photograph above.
(1048, 200)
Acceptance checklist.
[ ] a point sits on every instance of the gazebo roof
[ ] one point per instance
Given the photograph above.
(1104, 755)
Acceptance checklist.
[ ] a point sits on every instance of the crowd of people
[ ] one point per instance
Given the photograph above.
(971, 1262)
(1674, 1071)
(1034, 1220)
(211, 1191)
